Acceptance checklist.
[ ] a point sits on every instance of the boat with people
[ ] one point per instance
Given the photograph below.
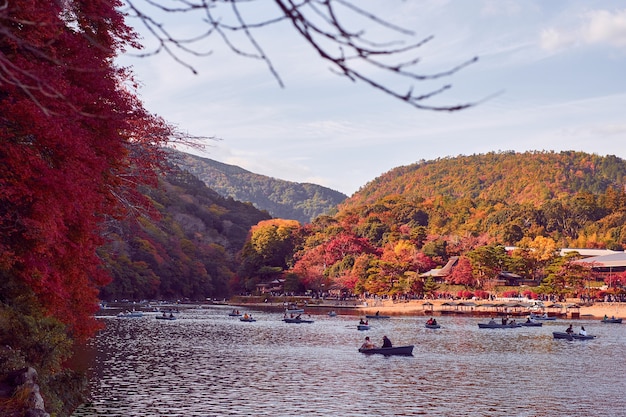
(504, 324)
(377, 316)
(363, 326)
(498, 325)
(235, 313)
(543, 316)
(395, 350)
(530, 323)
(572, 336)
(431, 323)
(166, 317)
(296, 320)
(611, 320)
(247, 319)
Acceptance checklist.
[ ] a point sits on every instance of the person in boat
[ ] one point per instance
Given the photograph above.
(569, 330)
(362, 321)
(164, 315)
(386, 342)
(377, 313)
(504, 320)
(492, 321)
(528, 320)
(429, 321)
(605, 317)
(582, 331)
(171, 316)
(298, 317)
(245, 316)
(367, 344)
(434, 323)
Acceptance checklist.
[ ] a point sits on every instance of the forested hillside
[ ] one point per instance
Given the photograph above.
(524, 178)
(186, 251)
(413, 218)
(282, 199)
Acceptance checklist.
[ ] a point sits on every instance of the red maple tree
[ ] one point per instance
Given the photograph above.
(74, 140)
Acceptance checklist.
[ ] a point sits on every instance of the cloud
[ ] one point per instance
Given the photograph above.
(606, 27)
(554, 40)
(595, 27)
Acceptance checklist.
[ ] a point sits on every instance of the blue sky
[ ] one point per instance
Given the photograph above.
(554, 73)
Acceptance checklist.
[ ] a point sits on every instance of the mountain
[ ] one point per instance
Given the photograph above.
(186, 249)
(510, 177)
(282, 199)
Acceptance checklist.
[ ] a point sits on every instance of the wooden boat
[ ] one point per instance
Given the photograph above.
(363, 326)
(296, 320)
(572, 336)
(247, 319)
(611, 320)
(432, 326)
(531, 324)
(166, 317)
(396, 350)
(541, 317)
(377, 316)
(498, 325)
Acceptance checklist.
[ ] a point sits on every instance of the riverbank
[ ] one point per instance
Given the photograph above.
(568, 309)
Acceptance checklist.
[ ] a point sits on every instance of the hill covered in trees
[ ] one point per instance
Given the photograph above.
(413, 218)
(524, 178)
(282, 199)
(186, 250)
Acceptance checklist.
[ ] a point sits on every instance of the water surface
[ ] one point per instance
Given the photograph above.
(209, 364)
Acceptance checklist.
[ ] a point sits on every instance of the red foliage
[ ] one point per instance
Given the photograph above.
(69, 142)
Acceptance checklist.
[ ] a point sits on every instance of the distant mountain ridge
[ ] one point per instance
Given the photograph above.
(281, 199)
(524, 178)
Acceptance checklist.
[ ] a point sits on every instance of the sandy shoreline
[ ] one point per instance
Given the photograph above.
(438, 307)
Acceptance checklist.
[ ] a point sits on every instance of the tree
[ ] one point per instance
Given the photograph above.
(462, 273)
(326, 26)
(74, 140)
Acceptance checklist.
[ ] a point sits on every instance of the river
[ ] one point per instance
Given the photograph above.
(206, 363)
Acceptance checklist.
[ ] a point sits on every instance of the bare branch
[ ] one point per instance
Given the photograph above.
(350, 52)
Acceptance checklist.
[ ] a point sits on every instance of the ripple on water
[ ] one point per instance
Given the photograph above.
(209, 364)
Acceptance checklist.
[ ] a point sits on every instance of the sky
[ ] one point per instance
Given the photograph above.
(550, 76)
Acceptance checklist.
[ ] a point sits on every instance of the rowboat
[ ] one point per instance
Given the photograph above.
(396, 350)
(571, 336)
(432, 326)
(234, 314)
(611, 320)
(363, 326)
(247, 319)
(377, 316)
(541, 317)
(296, 320)
(531, 324)
(498, 325)
(166, 317)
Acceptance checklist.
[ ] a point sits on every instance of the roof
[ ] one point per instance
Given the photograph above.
(614, 259)
(588, 252)
(442, 272)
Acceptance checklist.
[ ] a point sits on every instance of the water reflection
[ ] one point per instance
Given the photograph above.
(209, 364)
